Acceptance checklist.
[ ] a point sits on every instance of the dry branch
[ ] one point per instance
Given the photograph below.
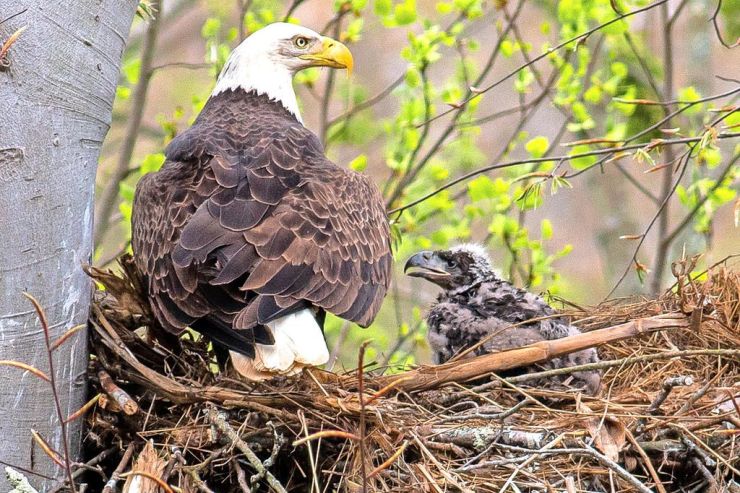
(463, 371)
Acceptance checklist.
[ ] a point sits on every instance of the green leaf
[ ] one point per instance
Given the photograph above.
(546, 229)
(211, 28)
(383, 7)
(405, 13)
(690, 94)
(593, 94)
(481, 188)
(507, 48)
(443, 7)
(359, 163)
(538, 146)
(582, 162)
(152, 162)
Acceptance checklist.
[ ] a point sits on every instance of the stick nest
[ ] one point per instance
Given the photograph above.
(666, 419)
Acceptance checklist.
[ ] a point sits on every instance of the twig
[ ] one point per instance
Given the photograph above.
(28, 368)
(52, 381)
(651, 223)
(26, 471)
(293, 6)
(343, 332)
(528, 461)
(588, 452)
(64, 337)
(326, 100)
(368, 103)
(199, 483)
(110, 486)
(185, 65)
(667, 188)
(489, 416)
(361, 396)
(6, 20)
(694, 397)
(646, 460)
(219, 421)
(326, 434)
(85, 407)
(46, 448)
(244, 6)
(459, 109)
(691, 447)
(241, 477)
(669, 384)
(730, 353)
(277, 444)
(386, 464)
(716, 27)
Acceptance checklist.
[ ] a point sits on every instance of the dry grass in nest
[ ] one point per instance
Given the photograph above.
(667, 417)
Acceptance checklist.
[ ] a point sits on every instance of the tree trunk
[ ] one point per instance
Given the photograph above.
(56, 96)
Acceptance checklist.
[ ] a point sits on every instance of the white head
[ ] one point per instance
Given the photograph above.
(266, 61)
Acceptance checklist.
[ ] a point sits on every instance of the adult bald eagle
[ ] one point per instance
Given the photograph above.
(477, 305)
(248, 233)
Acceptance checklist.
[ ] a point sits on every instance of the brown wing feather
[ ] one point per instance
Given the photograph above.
(248, 220)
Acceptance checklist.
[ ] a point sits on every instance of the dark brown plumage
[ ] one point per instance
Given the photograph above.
(248, 221)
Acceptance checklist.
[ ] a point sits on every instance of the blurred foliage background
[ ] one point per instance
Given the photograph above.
(586, 143)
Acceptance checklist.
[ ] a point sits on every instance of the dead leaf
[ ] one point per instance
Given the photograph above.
(608, 433)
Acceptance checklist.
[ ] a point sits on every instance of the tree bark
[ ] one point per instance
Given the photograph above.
(56, 97)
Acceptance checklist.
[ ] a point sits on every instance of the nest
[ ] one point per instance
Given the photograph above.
(666, 419)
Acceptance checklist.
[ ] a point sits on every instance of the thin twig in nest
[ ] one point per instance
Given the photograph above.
(110, 486)
(220, 422)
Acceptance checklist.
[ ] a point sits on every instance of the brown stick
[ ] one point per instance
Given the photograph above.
(111, 484)
(460, 371)
(116, 393)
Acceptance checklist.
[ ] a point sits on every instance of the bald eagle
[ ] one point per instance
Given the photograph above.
(477, 305)
(248, 233)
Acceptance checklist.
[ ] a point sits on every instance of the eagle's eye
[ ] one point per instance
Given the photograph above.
(300, 41)
(452, 263)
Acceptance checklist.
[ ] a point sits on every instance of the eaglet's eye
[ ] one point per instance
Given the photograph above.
(452, 263)
(300, 41)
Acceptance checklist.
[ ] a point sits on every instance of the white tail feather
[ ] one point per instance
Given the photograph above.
(299, 342)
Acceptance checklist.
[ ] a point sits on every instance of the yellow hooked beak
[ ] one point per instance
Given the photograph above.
(330, 53)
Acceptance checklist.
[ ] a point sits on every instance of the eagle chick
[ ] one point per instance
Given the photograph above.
(477, 305)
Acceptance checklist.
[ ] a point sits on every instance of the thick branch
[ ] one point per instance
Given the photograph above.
(108, 198)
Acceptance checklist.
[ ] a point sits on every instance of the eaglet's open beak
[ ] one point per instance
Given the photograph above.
(330, 53)
(429, 266)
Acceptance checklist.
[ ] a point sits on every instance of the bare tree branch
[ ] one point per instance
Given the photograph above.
(109, 197)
